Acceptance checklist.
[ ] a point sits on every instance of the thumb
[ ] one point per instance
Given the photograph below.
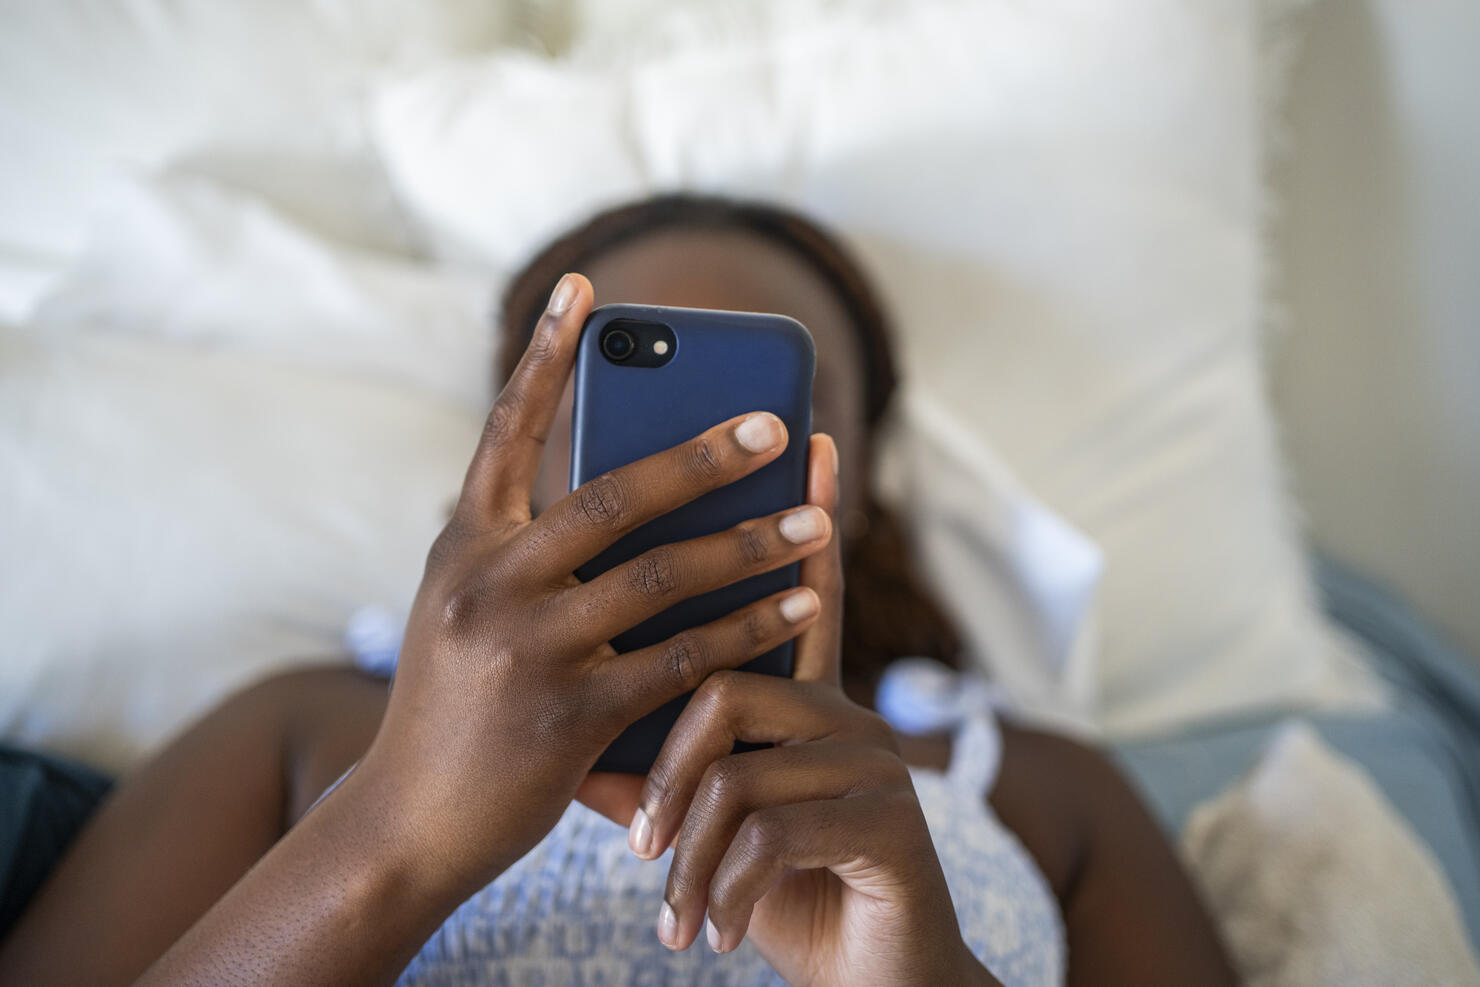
(818, 648)
(612, 794)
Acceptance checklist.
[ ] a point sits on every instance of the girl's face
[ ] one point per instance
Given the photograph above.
(738, 271)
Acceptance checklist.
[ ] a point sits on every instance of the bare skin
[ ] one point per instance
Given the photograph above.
(177, 837)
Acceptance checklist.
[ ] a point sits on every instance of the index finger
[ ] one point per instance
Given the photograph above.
(730, 706)
(507, 459)
(588, 519)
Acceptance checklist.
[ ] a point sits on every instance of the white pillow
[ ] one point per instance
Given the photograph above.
(224, 435)
(178, 521)
(188, 259)
(262, 93)
(1060, 201)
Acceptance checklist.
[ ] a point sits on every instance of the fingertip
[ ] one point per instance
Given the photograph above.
(554, 336)
(822, 474)
(640, 835)
(761, 432)
(668, 927)
(712, 934)
(568, 289)
(800, 604)
(585, 294)
(562, 297)
(718, 941)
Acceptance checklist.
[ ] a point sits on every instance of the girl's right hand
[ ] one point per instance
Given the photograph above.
(507, 690)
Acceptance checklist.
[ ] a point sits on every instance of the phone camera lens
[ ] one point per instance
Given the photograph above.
(618, 345)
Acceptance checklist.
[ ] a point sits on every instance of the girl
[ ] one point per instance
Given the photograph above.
(1008, 855)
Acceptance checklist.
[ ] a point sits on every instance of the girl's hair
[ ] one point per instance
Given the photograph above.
(887, 613)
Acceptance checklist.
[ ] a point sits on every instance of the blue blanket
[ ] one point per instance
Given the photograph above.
(1424, 752)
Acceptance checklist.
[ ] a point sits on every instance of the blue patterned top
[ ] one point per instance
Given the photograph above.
(580, 909)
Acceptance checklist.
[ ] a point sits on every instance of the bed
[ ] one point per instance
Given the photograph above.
(249, 255)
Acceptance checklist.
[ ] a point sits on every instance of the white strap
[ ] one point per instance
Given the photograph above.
(976, 755)
(373, 636)
(922, 696)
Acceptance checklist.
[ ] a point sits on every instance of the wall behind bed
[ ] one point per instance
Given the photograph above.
(1378, 247)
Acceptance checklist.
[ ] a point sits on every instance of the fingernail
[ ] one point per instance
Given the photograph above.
(759, 432)
(712, 934)
(807, 524)
(668, 926)
(836, 465)
(640, 836)
(563, 295)
(798, 606)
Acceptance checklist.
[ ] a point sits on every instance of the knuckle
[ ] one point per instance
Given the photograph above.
(683, 882)
(752, 545)
(704, 462)
(503, 419)
(578, 613)
(724, 904)
(755, 628)
(762, 835)
(716, 695)
(900, 774)
(888, 770)
(910, 834)
(661, 780)
(448, 546)
(685, 660)
(724, 783)
(602, 501)
(877, 731)
(653, 574)
(462, 607)
(544, 345)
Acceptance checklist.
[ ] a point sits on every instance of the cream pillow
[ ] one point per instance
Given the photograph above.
(191, 519)
(226, 437)
(1060, 201)
(263, 94)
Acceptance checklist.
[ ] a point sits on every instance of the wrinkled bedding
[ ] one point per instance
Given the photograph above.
(1423, 750)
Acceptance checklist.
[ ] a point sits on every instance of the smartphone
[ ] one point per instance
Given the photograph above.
(648, 378)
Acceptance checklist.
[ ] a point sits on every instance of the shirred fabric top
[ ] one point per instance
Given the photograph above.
(580, 909)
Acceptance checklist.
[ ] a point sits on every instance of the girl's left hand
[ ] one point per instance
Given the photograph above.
(817, 847)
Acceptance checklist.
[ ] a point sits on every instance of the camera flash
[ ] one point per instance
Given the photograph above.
(660, 346)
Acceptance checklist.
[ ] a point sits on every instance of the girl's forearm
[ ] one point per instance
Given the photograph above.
(347, 896)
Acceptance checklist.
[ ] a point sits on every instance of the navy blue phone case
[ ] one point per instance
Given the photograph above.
(724, 364)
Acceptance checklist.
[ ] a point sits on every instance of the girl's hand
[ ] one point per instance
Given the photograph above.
(507, 690)
(817, 847)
